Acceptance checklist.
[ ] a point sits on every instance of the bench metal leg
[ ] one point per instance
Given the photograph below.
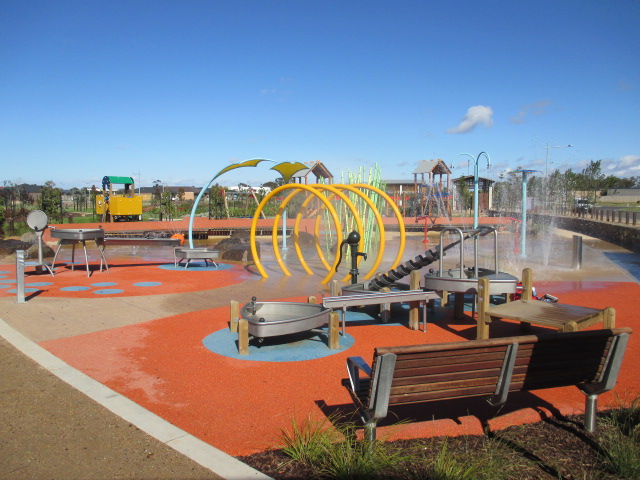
(370, 433)
(590, 409)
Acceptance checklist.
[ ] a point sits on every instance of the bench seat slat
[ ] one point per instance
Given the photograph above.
(476, 387)
(460, 384)
(429, 378)
(409, 369)
(524, 341)
(473, 391)
(550, 347)
(462, 361)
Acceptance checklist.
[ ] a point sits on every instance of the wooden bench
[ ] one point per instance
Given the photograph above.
(490, 368)
(562, 317)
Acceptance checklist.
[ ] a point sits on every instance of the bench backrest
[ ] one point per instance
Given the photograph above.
(425, 373)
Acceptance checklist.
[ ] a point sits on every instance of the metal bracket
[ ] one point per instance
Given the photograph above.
(504, 380)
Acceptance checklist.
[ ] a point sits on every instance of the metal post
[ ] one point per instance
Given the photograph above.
(20, 276)
(284, 229)
(476, 183)
(577, 252)
(523, 233)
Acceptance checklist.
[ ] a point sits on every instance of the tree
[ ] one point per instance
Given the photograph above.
(272, 185)
(156, 196)
(464, 194)
(217, 208)
(167, 207)
(593, 179)
(51, 201)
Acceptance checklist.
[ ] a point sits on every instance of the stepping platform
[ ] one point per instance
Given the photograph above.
(197, 253)
(564, 318)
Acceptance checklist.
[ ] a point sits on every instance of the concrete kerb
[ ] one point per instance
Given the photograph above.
(200, 452)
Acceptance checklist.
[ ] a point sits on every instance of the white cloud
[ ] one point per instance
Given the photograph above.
(625, 167)
(474, 116)
(536, 108)
(632, 161)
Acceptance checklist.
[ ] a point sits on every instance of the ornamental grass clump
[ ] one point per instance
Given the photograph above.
(336, 452)
(620, 440)
(307, 442)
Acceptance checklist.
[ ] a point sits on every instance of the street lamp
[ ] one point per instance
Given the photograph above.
(475, 183)
(546, 162)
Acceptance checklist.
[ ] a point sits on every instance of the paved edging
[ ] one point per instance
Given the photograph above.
(204, 454)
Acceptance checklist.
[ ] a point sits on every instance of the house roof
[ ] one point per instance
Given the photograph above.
(317, 168)
(432, 166)
(470, 177)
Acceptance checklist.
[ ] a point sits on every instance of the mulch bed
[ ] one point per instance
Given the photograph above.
(557, 448)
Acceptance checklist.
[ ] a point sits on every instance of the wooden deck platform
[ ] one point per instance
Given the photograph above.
(564, 318)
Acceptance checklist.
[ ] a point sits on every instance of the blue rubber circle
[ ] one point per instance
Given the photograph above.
(26, 290)
(108, 291)
(74, 289)
(286, 348)
(147, 284)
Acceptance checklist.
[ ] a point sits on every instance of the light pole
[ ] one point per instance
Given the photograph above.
(546, 172)
(475, 183)
(546, 162)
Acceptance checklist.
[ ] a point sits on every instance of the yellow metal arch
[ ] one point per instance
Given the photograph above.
(313, 190)
(274, 234)
(256, 216)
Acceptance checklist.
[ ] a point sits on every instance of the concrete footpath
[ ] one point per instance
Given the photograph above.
(56, 422)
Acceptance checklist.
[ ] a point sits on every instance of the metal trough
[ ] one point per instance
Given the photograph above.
(197, 253)
(77, 234)
(163, 242)
(270, 319)
(362, 289)
(71, 236)
(457, 280)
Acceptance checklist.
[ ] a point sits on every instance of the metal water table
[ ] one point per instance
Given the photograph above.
(72, 236)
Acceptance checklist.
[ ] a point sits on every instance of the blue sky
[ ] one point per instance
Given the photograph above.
(177, 90)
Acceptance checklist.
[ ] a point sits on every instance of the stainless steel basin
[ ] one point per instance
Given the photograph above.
(269, 319)
(78, 234)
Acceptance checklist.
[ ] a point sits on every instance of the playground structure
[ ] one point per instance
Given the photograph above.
(272, 319)
(114, 207)
(72, 236)
(463, 279)
(317, 191)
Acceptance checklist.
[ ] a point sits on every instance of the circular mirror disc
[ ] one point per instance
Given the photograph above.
(37, 220)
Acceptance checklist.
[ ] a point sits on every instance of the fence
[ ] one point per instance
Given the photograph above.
(611, 216)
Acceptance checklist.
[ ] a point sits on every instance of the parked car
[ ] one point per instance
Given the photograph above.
(582, 205)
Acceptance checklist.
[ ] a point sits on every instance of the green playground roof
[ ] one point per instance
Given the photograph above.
(119, 180)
